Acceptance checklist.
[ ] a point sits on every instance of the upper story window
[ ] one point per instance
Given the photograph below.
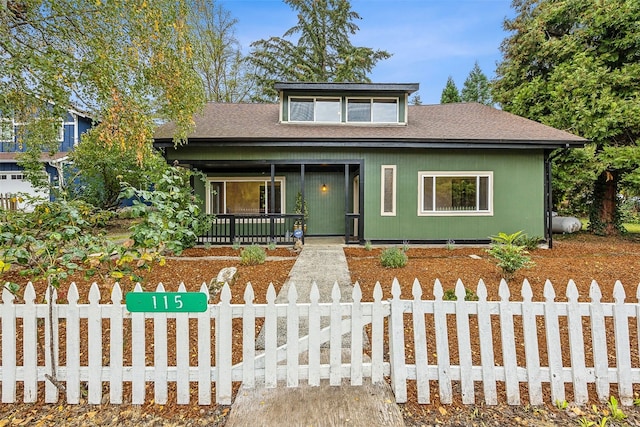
(7, 131)
(372, 110)
(314, 110)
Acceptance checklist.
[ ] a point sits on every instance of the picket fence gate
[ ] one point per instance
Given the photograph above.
(86, 375)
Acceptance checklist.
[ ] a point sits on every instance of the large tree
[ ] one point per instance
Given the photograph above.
(126, 63)
(317, 49)
(97, 172)
(217, 54)
(476, 87)
(450, 92)
(575, 65)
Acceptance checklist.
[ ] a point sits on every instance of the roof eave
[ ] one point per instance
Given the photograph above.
(377, 143)
(352, 87)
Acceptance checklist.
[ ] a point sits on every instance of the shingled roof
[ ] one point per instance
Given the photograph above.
(462, 125)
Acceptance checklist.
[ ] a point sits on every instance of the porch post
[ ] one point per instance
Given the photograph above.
(303, 199)
(548, 202)
(361, 202)
(272, 204)
(347, 219)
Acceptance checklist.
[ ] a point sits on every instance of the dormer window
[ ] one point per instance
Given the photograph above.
(325, 110)
(357, 104)
(376, 110)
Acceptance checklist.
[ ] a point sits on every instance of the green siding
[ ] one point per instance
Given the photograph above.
(518, 189)
(326, 210)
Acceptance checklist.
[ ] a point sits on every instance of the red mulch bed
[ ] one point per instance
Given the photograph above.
(581, 257)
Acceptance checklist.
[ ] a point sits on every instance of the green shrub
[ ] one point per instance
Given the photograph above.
(450, 295)
(506, 239)
(367, 246)
(253, 255)
(530, 243)
(236, 244)
(171, 215)
(510, 258)
(393, 258)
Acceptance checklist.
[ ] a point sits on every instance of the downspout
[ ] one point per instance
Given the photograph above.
(76, 134)
(548, 182)
(303, 199)
(58, 165)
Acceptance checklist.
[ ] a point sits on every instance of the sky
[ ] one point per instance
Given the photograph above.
(429, 39)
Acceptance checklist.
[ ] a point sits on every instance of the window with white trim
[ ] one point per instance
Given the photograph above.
(244, 196)
(61, 131)
(7, 130)
(455, 193)
(372, 110)
(388, 190)
(314, 110)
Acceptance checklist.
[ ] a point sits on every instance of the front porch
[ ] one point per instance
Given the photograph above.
(258, 202)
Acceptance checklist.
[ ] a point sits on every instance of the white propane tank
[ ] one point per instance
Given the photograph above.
(565, 224)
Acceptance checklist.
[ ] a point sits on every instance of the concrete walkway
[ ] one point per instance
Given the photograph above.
(321, 261)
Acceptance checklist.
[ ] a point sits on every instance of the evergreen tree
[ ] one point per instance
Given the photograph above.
(317, 49)
(450, 93)
(573, 64)
(476, 87)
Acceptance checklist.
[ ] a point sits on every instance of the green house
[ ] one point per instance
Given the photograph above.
(368, 166)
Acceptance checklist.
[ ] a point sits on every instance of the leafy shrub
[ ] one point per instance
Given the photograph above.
(253, 255)
(506, 239)
(367, 246)
(393, 258)
(450, 295)
(59, 238)
(630, 210)
(236, 244)
(171, 215)
(530, 243)
(510, 257)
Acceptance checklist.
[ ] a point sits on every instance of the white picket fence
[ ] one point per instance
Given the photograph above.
(8, 202)
(425, 329)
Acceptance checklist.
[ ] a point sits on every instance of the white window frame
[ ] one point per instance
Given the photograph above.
(462, 174)
(60, 137)
(315, 99)
(224, 180)
(61, 131)
(13, 130)
(383, 190)
(372, 100)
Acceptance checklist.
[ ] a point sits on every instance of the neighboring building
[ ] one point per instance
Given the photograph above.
(12, 180)
(369, 166)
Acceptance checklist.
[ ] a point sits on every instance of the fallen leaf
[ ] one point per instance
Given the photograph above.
(442, 410)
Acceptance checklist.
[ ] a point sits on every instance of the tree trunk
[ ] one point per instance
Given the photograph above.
(604, 216)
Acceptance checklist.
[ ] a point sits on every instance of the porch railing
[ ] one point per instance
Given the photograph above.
(248, 229)
(351, 234)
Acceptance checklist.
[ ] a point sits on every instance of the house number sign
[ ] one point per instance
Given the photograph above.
(166, 302)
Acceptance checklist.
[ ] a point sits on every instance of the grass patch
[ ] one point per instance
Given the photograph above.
(631, 228)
